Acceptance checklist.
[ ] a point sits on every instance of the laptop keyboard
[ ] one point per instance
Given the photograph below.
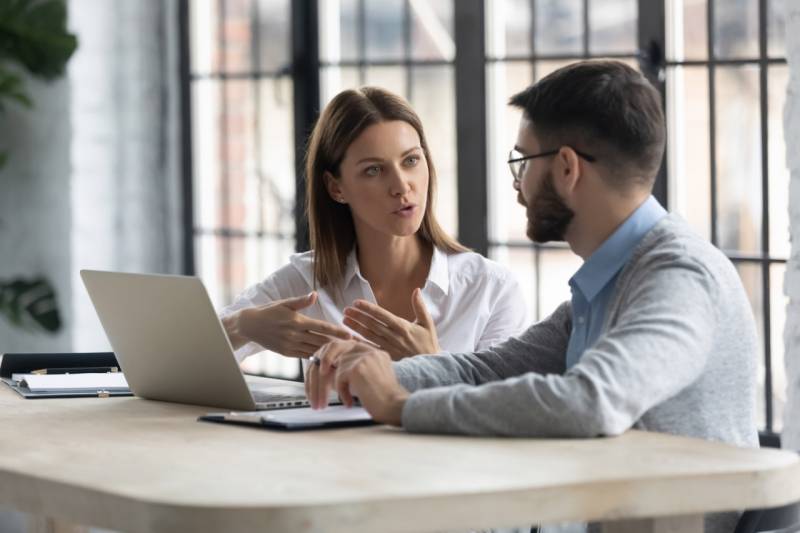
(266, 396)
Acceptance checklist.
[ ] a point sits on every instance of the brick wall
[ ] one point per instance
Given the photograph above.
(791, 432)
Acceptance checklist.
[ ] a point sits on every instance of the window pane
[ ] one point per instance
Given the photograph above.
(779, 245)
(333, 80)
(384, 29)
(507, 219)
(261, 257)
(338, 30)
(432, 29)
(203, 24)
(687, 30)
(735, 28)
(521, 263)
(777, 305)
(433, 98)
(273, 191)
(206, 99)
(750, 274)
(688, 146)
(776, 28)
(559, 27)
(391, 78)
(738, 156)
(508, 28)
(557, 266)
(209, 251)
(237, 36)
(274, 35)
(613, 26)
(238, 156)
(543, 68)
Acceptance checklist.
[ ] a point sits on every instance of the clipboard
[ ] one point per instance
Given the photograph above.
(296, 418)
(61, 363)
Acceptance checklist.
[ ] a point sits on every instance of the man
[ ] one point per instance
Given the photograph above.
(658, 335)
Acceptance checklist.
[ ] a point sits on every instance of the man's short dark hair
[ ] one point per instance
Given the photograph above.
(604, 108)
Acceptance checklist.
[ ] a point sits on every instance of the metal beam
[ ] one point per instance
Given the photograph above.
(470, 77)
(185, 88)
(305, 73)
(652, 49)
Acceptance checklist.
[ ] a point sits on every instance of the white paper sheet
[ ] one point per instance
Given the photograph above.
(108, 381)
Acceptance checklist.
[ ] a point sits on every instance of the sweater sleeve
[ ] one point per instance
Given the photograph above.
(540, 349)
(658, 345)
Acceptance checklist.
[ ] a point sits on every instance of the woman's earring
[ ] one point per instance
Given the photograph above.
(341, 200)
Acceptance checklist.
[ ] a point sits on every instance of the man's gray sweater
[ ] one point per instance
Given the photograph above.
(677, 354)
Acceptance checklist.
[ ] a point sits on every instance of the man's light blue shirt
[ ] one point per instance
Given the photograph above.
(594, 282)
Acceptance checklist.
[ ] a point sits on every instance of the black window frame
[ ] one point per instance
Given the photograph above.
(471, 124)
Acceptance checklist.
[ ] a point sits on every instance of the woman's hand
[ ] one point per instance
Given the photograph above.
(279, 327)
(397, 336)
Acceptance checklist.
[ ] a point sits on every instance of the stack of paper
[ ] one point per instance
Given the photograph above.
(108, 381)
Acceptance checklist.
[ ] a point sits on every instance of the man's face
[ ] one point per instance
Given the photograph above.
(548, 215)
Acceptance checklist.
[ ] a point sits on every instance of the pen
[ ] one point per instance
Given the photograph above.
(76, 370)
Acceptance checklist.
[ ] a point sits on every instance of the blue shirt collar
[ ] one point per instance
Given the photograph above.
(611, 256)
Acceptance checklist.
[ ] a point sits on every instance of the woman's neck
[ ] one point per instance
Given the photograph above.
(394, 262)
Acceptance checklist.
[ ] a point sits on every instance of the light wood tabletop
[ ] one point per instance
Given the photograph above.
(142, 466)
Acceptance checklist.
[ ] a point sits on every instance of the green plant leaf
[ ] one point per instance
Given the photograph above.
(12, 87)
(3, 159)
(30, 303)
(34, 33)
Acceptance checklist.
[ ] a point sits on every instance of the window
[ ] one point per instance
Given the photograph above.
(726, 83)
(407, 47)
(720, 65)
(526, 40)
(243, 159)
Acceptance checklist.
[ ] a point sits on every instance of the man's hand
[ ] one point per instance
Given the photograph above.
(356, 369)
(397, 336)
(281, 328)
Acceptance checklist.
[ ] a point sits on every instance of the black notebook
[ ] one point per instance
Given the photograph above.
(63, 375)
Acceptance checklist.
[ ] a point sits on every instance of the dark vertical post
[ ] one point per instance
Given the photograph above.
(652, 46)
(765, 264)
(305, 72)
(470, 77)
(187, 196)
(712, 120)
(587, 28)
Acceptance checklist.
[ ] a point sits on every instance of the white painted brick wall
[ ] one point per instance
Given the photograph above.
(35, 206)
(124, 147)
(791, 432)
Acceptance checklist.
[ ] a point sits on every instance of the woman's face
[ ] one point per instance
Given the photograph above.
(384, 179)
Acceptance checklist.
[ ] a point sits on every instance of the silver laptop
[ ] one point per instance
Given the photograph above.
(171, 345)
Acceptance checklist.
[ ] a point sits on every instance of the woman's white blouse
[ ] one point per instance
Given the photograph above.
(473, 301)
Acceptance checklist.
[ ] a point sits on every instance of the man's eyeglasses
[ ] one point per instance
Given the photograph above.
(517, 162)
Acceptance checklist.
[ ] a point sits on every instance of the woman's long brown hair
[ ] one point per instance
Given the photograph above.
(330, 223)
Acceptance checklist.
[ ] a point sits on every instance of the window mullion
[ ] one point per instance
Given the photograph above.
(651, 24)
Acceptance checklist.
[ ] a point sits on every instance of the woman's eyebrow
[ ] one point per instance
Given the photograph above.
(379, 160)
(370, 160)
(411, 150)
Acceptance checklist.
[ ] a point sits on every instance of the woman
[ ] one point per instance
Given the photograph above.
(380, 266)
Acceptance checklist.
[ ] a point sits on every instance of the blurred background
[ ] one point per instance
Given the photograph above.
(173, 140)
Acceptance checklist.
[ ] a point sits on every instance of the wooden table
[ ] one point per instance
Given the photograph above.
(140, 466)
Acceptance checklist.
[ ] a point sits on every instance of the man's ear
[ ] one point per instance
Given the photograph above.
(332, 185)
(566, 171)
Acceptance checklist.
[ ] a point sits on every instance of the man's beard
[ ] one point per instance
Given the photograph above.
(548, 215)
